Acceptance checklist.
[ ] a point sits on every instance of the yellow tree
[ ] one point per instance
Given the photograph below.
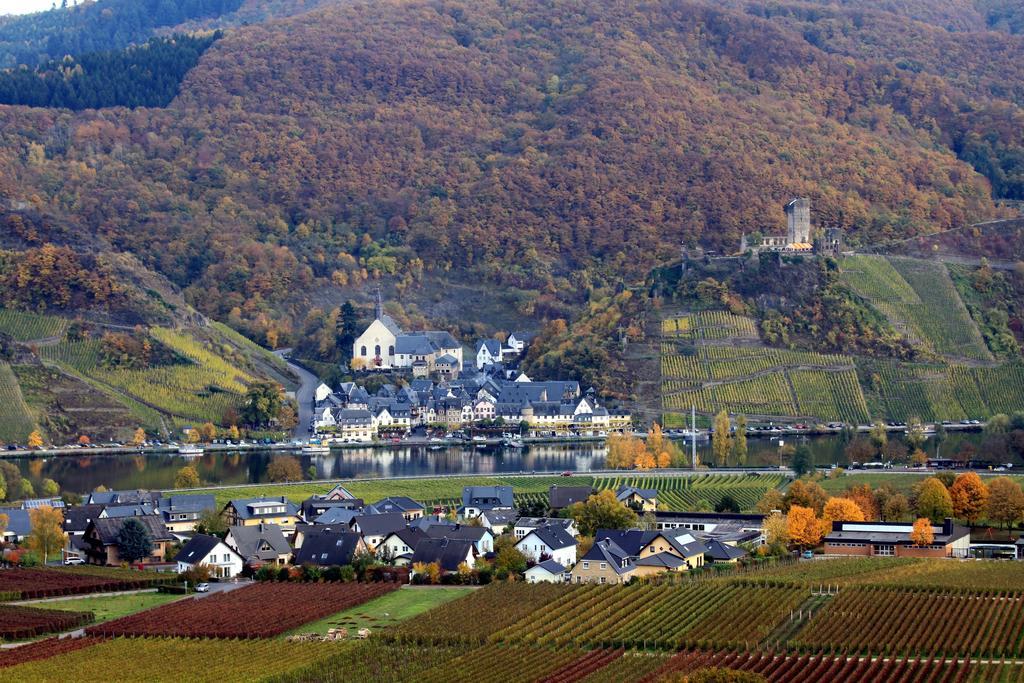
(47, 537)
(841, 510)
(803, 527)
(233, 433)
(208, 432)
(970, 497)
(35, 439)
(140, 437)
(775, 529)
(192, 436)
(1005, 501)
(721, 440)
(922, 534)
(186, 478)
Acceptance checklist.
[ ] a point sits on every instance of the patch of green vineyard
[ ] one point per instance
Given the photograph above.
(830, 395)
(1001, 388)
(677, 327)
(724, 325)
(83, 356)
(16, 420)
(683, 493)
(763, 395)
(920, 300)
(22, 326)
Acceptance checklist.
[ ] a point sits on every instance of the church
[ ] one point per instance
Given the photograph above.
(384, 346)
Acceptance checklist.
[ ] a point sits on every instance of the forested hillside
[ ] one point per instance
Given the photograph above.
(556, 149)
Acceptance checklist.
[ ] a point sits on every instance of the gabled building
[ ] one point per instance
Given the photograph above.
(375, 528)
(101, 539)
(224, 563)
(488, 352)
(525, 525)
(383, 345)
(261, 511)
(19, 525)
(180, 513)
(477, 499)
(259, 545)
(481, 538)
(316, 506)
(403, 505)
(446, 553)
(644, 500)
(892, 539)
(604, 563)
(328, 549)
(548, 542)
(399, 545)
(547, 571)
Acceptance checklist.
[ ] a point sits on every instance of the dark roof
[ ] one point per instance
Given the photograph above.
(337, 515)
(448, 553)
(625, 491)
(328, 549)
(196, 503)
(666, 560)
(493, 346)
(607, 550)
(630, 541)
(893, 533)
(723, 552)
(499, 517)
(77, 517)
(250, 538)
(317, 506)
(107, 529)
(245, 507)
(563, 496)
(379, 525)
(123, 497)
(442, 339)
(129, 510)
(457, 531)
(713, 517)
(18, 521)
(550, 566)
(197, 548)
(413, 345)
(554, 536)
(410, 535)
(488, 497)
(395, 504)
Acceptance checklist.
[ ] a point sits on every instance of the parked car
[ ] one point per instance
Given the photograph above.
(202, 588)
(73, 560)
(808, 555)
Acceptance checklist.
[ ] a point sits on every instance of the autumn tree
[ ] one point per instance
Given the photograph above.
(35, 439)
(602, 511)
(922, 534)
(739, 442)
(933, 500)
(865, 499)
(1005, 501)
(803, 527)
(139, 437)
(49, 488)
(207, 432)
(721, 440)
(262, 404)
(776, 532)
(84, 440)
(211, 522)
(805, 493)
(970, 497)
(915, 435)
(878, 435)
(896, 507)
(186, 478)
(620, 452)
(284, 468)
(771, 500)
(4, 521)
(918, 458)
(47, 536)
(192, 436)
(233, 433)
(840, 509)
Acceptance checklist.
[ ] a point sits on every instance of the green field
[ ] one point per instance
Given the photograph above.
(387, 610)
(23, 327)
(16, 419)
(107, 607)
(919, 299)
(678, 492)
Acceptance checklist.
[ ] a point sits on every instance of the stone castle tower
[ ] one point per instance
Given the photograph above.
(798, 221)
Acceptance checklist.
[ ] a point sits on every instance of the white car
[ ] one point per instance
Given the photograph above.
(73, 560)
(202, 588)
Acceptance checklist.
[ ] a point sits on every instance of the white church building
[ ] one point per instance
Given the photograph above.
(384, 346)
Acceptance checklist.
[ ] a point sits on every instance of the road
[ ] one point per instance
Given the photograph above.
(308, 382)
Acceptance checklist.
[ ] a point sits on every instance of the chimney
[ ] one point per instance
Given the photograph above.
(947, 526)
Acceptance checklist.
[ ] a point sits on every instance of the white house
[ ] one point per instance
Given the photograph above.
(488, 352)
(383, 345)
(525, 525)
(224, 563)
(518, 341)
(321, 392)
(549, 542)
(375, 347)
(547, 571)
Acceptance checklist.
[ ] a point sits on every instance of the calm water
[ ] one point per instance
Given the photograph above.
(86, 472)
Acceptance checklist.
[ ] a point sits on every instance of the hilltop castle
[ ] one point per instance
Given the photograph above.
(798, 238)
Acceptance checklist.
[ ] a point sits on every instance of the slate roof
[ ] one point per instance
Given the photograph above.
(77, 517)
(457, 531)
(606, 550)
(390, 323)
(442, 339)
(492, 345)
(181, 504)
(122, 497)
(244, 511)
(18, 521)
(140, 510)
(328, 549)
(447, 359)
(550, 566)
(563, 496)
(414, 345)
(489, 497)
(353, 417)
(555, 537)
(379, 525)
(108, 529)
(664, 560)
(448, 553)
(499, 518)
(409, 536)
(197, 548)
(315, 506)
(394, 504)
(624, 491)
(248, 539)
(337, 515)
(723, 552)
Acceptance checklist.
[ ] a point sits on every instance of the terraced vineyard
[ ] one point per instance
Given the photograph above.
(920, 300)
(16, 420)
(836, 395)
(943, 392)
(22, 326)
(683, 493)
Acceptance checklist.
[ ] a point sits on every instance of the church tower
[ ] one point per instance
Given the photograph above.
(379, 308)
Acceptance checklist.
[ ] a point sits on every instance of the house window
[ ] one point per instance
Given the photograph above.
(391, 350)
(586, 565)
(885, 550)
(362, 350)
(604, 565)
(604, 580)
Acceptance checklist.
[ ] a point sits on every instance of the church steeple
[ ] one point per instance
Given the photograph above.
(379, 309)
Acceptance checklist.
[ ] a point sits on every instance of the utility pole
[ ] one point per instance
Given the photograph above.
(693, 436)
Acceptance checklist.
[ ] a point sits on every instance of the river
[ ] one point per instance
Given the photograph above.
(83, 473)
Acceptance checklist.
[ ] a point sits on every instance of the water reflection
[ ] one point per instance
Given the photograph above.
(85, 473)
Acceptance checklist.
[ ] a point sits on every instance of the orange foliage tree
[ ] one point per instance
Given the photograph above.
(922, 534)
(803, 527)
(970, 497)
